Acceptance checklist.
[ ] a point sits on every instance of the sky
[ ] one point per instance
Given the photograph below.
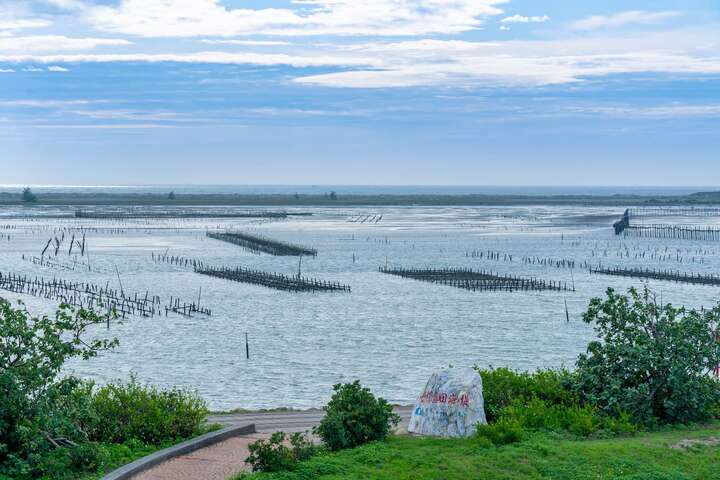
(373, 92)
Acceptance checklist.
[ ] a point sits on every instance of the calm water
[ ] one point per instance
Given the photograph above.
(389, 332)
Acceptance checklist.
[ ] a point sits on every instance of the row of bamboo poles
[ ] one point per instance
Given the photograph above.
(91, 296)
(257, 244)
(680, 277)
(675, 211)
(273, 280)
(688, 232)
(476, 279)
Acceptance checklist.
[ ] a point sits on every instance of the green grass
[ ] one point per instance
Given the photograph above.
(646, 456)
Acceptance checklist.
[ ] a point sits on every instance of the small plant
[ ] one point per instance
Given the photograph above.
(303, 448)
(503, 432)
(274, 455)
(354, 417)
(171, 195)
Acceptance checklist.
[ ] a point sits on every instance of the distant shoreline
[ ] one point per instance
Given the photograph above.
(351, 200)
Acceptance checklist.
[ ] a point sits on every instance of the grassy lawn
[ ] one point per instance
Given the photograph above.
(646, 456)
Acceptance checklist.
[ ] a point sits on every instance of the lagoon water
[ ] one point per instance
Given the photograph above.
(389, 332)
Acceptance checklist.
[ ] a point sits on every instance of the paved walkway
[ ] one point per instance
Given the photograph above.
(227, 458)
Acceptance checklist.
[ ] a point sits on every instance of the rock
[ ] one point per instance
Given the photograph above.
(450, 405)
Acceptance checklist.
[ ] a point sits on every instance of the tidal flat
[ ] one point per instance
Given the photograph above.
(389, 332)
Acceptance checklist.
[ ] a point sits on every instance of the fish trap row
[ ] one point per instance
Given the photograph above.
(95, 297)
(673, 232)
(273, 280)
(680, 277)
(258, 244)
(476, 279)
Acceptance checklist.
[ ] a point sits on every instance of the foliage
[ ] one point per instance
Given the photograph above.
(28, 196)
(171, 195)
(123, 411)
(354, 417)
(33, 401)
(646, 456)
(52, 427)
(504, 431)
(653, 361)
(576, 419)
(273, 455)
(503, 387)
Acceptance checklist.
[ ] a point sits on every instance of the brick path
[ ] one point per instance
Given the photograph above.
(227, 458)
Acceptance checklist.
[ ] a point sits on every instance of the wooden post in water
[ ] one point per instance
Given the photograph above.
(247, 347)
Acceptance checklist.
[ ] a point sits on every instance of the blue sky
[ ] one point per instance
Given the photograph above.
(451, 92)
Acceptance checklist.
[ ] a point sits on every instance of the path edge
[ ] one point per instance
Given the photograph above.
(145, 463)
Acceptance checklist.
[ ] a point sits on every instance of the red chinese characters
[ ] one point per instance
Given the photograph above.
(451, 399)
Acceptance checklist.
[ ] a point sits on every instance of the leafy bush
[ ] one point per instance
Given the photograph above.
(53, 427)
(653, 361)
(354, 417)
(503, 431)
(273, 455)
(123, 411)
(35, 406)
(503, 387)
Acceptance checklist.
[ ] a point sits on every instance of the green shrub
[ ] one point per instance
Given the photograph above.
(541, 415)
(503, 387)
(580, 420)
(125, 411)
(503, 431)
(354, 417)
(653, 361)
(88, 457)
(273, 455)
(38, 409)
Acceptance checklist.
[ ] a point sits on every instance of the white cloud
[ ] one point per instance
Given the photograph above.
(57, 68)
(7, 70)
(188, 18)
(112, 126)
(260, 43)
(660, 111)
(55, 43)
(202, 57)
(523, 19)
(21, 24)
(631, 17)
(33, 69)
(526, 63)
(47, 103)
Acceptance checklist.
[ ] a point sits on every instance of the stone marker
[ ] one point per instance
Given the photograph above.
(451, 404)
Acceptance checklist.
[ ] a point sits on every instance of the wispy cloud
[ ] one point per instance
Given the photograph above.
(47, 103)
(655, 111)
(22, 23)
(259, 43)
(113, 126)
(7, 70)
(182, 18)
(524, 19)
(55, 43)
(631, 17)
(57, 69)
(202, 57)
